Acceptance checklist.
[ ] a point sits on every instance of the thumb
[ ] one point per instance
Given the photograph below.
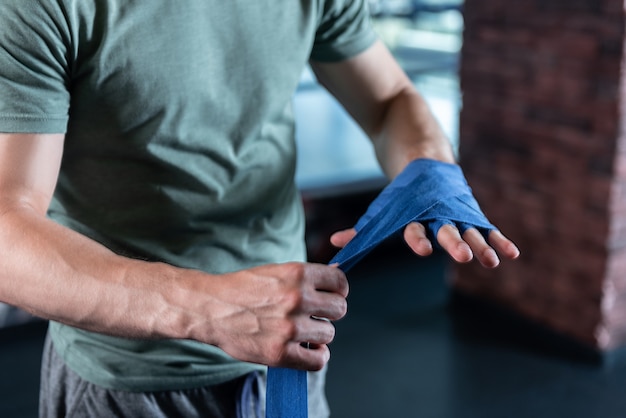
(341, 238)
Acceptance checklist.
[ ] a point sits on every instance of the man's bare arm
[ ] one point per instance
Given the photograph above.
(374, 89)
(57, 273)
(259, 315)
(382, 99)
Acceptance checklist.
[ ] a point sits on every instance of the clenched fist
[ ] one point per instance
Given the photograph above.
(277, 315)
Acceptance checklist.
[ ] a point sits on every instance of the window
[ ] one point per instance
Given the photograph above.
(425, 36)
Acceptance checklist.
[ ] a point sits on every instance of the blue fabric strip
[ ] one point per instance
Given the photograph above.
(286, 393)
(427, 191)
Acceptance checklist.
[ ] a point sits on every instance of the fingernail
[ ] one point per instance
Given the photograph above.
(493, 256)
(463, 246)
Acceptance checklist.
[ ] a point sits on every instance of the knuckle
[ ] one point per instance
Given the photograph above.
(276, 348)
(331, 334)
(296, 270)
(343, 308)
(275, 353)
(318, 365)
(287, 331)
(338, 309)
(292, 300)
(320, 361)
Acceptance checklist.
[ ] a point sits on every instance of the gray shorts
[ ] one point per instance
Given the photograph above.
(65, 394)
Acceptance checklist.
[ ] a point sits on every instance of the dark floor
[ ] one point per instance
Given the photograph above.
(409, 349)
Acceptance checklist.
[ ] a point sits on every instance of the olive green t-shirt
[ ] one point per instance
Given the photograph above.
(179, 142)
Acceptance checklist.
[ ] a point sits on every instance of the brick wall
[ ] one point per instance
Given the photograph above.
(543, 146)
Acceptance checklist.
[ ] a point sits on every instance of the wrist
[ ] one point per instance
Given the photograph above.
(187, 308)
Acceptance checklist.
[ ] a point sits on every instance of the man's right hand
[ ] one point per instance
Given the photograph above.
(269, 314)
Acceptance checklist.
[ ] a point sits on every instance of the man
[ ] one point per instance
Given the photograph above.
(147, 201)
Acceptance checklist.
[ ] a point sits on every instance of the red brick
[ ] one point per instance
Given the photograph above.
(543, 143)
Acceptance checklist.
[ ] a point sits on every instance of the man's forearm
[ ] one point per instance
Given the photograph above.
(408, 130)
(376, 92)
(259, 315)
(58, 274)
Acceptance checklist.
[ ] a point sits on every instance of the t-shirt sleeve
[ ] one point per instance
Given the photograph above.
(34, 93)
(344, 30)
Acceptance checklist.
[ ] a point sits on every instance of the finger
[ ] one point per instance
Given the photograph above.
(415, 237)
(309, 346)
(324, 305)
(314, 330)
(324, 292)
(503, 245)
(484, 253)
(328, 279)
(450, 240)
(341, 238)
(300, 357)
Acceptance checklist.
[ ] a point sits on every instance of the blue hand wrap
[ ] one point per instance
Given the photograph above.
(427, 191)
